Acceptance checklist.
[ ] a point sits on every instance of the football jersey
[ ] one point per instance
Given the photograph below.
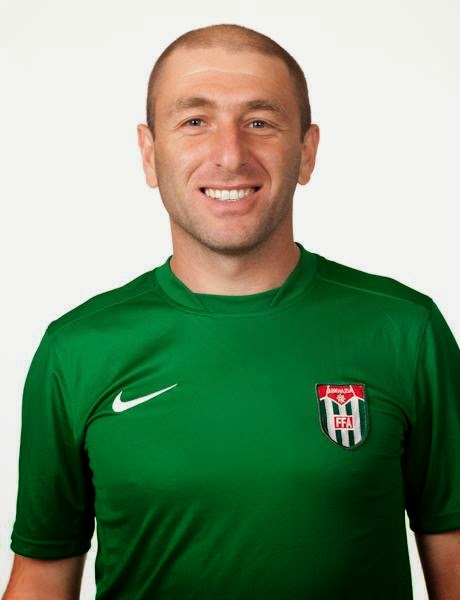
(252, 447)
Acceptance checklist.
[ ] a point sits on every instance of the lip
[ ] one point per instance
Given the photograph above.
(241, 186)
(227, 207)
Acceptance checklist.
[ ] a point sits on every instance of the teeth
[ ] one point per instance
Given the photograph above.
(231, 195)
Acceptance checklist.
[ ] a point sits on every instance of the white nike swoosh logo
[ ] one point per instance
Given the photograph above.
(119, 406)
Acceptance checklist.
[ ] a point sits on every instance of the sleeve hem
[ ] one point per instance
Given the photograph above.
(48, 549)
(435, 524)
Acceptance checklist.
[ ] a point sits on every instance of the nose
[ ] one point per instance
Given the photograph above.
(229, 147)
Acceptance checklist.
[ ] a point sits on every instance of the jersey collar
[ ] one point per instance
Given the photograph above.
(295, 285)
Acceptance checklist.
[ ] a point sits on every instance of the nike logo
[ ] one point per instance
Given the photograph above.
(119, 406)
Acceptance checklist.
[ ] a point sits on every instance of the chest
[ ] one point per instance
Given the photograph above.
(243, 413)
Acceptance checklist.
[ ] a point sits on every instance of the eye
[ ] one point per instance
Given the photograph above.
(260, 121)
(192, 120)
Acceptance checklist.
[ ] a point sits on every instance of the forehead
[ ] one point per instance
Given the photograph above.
(227, 77)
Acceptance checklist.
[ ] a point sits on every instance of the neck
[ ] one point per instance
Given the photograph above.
(207, 271)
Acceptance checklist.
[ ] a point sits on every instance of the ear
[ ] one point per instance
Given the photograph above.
(309, 149)
(147, 145)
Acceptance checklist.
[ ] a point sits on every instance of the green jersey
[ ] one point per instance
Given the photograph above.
(255, 447)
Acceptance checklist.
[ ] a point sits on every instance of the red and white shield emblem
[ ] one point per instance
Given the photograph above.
(343, 413)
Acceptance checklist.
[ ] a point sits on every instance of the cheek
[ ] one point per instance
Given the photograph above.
(278, 160)
(186, 153)
(173, 164)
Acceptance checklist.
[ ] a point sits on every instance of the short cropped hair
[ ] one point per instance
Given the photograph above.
(235, 38)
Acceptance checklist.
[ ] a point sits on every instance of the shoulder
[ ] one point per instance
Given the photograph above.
(103, 305)
(370, 287)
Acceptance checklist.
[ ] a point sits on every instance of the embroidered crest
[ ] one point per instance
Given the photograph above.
(343, 413)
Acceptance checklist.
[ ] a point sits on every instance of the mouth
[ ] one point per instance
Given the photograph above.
(236, 194)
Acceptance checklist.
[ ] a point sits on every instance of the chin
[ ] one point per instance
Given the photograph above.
(231, 245)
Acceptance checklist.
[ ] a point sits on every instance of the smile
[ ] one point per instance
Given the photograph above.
(232, 194)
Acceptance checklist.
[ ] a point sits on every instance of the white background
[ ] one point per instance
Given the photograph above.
(77, 217)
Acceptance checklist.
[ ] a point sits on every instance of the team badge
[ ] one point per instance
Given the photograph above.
(343, 413)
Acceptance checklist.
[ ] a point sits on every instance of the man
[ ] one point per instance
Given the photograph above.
(249, 420)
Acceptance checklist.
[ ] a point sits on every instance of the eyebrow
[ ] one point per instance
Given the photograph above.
(267, 104)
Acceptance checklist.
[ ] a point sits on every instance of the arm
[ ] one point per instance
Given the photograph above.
(54, 521)
(440, 559)
(42, 579)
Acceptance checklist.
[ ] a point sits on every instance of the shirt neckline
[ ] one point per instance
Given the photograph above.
(296, 283)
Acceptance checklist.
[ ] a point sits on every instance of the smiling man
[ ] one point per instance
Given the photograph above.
(230, 147)
(249, 420)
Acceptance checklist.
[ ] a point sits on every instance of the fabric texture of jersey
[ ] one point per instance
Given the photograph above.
(276, 441)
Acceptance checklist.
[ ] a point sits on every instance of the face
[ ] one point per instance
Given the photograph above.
(227, 123)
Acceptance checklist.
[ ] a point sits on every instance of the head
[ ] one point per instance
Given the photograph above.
(227, 108)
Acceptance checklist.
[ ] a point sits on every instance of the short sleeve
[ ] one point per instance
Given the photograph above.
(431, 462)
(55, 498)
